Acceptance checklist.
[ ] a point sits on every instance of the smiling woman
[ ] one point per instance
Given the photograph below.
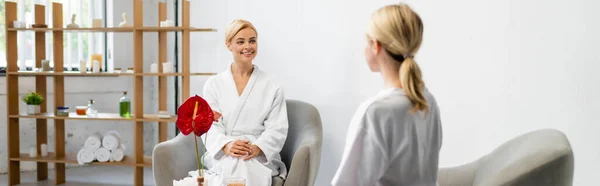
(245, 142)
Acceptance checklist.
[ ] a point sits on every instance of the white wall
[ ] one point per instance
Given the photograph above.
(497, 68)
(106, 91)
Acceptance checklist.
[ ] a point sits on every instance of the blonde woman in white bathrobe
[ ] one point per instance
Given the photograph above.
(247, 139)
(394, 138)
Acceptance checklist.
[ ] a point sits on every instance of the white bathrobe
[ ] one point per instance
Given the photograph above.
(258, 115)
(387, 145)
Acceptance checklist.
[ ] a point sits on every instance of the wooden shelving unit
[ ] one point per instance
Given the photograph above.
(59, 157)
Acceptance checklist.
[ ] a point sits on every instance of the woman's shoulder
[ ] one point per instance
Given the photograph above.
(395, 102)
(269, 79)
(213, 80)
(219, 76)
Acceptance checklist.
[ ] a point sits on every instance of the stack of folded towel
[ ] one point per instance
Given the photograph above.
(102, 148)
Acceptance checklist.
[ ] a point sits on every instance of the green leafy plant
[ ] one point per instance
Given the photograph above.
(33, 98)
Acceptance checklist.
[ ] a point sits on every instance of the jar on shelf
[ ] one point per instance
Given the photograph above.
(62, 111)
(81, 110)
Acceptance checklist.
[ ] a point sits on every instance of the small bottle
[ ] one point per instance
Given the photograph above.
(91, 110)
(125, 106)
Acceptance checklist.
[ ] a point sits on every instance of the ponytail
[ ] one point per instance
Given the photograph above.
(410, 77)
(400, 31)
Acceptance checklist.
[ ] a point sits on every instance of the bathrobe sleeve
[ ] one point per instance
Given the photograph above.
(276, 128)
(216, 138)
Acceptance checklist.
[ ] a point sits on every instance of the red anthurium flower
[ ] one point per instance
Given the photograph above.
(201, 122)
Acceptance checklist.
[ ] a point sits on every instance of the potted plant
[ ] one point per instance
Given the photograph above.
(33, 101)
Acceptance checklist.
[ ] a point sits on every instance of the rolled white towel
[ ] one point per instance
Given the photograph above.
(113, 132)
(210, 179)
(93, 142)
(85, 156)
(118, 154)
(102, 154)
(187, 181)
(111, 141)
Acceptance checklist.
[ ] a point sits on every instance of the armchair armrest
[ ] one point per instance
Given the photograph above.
(173, 159)
(305, 164)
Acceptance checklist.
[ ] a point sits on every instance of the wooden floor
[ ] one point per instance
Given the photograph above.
(87, 176)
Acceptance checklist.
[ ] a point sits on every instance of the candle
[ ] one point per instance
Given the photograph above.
(32, 152)
(97, 23)
(82, 66)
(45, 65)
(167, 67)
(97, 57)
(44, 149)
(154, 68)
(96, 66)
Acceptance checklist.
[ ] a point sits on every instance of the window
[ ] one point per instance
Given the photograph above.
(77, 45)
(2, 38)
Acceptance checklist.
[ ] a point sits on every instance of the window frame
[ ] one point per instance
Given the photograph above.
(99, 40)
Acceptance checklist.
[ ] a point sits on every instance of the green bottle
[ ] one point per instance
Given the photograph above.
(125, 106)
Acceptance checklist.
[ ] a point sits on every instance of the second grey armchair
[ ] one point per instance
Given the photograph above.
(542, 157)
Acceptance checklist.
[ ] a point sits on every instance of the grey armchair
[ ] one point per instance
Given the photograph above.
(301, 153)
(542, 157)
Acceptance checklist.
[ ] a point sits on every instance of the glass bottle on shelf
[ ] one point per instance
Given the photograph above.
(91, 110)
(125, 106)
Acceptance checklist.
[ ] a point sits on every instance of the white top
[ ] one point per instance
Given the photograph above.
(386, 144)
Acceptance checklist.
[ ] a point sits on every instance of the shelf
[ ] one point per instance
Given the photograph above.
(73, 116)
(101, 116)
(76, 73)
(73, 29)
(147, 162)
(116, 29)
(51, 182)
(176, 74)
(155, 118)
(71, 158)
(176, 29)
(68, 73)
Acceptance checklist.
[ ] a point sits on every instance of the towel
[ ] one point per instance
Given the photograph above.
(111, 141)
(102, 154)
(210, 179)
(187, 181)
(93, 142)
(85, 156)
(118, 154)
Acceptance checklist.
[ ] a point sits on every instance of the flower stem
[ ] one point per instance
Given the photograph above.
(197, 155)
(202, 171)
(196, 137)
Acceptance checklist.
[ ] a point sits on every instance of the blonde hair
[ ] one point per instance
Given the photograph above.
(400, 31)
(236, 26)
